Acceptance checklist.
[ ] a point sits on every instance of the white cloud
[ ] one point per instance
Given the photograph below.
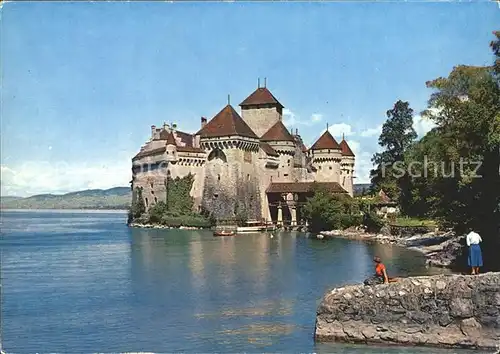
(363, 164)
(291, 119)
(371, 131)
(316, 117)
(39, 177)
(339, 129)
(422, 125)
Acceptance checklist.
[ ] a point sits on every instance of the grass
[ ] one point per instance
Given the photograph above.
(406, 221)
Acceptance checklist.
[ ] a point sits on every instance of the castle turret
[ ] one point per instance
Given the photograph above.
(347, 167)
(261, 110)
(230, 179)
(326, 156)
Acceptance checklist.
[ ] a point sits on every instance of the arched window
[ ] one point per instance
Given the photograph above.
(217, 154)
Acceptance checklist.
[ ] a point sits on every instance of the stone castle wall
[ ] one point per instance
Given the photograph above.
(443, 311)
(260, 120)
(230, 184)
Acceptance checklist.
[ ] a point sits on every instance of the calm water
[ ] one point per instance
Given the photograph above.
(84, 282)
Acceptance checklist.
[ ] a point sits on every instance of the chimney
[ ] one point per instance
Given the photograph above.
(296, 131)
(203, 122)
(153, 131)
(174, 126)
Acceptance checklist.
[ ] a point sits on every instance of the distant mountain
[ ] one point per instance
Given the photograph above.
(114, 198)
(8, 199)
(359, 188)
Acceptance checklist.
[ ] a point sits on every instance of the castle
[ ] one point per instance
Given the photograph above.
(249, 162)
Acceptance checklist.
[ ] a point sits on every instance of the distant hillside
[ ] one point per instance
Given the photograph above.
(359, 188)
(8, 199)
(114, 198)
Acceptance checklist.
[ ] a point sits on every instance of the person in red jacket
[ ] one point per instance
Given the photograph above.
(380, 276)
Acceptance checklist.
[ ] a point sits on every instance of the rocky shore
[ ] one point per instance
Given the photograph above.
(440, 248)
(159, 226)
(461, 311)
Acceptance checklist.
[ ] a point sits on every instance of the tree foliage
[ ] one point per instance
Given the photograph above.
(463, 190)
(396, 137)
(327, 211)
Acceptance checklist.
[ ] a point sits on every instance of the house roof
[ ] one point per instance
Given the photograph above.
(346, 150)
(268, 149)
(303, 187)
(169, 138)
(277, 132)
(384, 198)
(225, 123)
(325, 141)
(260, 96)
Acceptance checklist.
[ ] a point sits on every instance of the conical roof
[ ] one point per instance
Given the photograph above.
(346, 150)
(277, 132)
(325, 141)
(225, 123)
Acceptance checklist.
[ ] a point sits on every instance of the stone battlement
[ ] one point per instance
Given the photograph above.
(442, 311)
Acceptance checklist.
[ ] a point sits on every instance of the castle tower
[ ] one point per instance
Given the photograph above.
(280, 139)
(347, 167)
(261, 110)
(230, 182)
(326, 156)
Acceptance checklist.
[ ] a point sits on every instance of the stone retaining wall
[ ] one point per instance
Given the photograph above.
(442, 311)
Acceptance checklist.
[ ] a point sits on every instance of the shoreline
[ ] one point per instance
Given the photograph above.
(164, 227)
(439, 248)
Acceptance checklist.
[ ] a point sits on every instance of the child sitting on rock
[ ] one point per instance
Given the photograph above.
(380, 276)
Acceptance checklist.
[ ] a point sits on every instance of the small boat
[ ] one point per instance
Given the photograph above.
(224, 233)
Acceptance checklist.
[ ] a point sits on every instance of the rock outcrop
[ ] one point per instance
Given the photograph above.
(443, 311)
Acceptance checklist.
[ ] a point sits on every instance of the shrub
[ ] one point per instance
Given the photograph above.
(373, 222)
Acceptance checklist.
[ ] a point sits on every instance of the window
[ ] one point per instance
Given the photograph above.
(248, 177)
(285, 175)
(218, 177)
(331, 167)
(156, 200)
(319, 167)
(216, 195)
(146, 199)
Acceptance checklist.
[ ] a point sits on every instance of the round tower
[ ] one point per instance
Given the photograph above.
(326, 156)
(347, 167)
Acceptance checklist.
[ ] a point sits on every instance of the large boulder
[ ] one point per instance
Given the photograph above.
(443, 311)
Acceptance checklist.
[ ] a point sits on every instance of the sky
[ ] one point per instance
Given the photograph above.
(82, 83)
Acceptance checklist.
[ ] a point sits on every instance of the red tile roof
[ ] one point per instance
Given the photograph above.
(268, 149)
(325, 141)
(170, 138)
(303, 187)
(346, 150)
(277, 132)
(261, 96)
(225, 123)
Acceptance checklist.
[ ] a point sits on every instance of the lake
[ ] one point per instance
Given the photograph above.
(80, 281)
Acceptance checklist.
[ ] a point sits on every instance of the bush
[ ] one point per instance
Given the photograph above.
(186, 220)
(350, 220)
(373, 222)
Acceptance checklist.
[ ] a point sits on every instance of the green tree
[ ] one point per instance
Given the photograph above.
(138, 207)
(396, 137)
(465, 193)
(327, 211)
